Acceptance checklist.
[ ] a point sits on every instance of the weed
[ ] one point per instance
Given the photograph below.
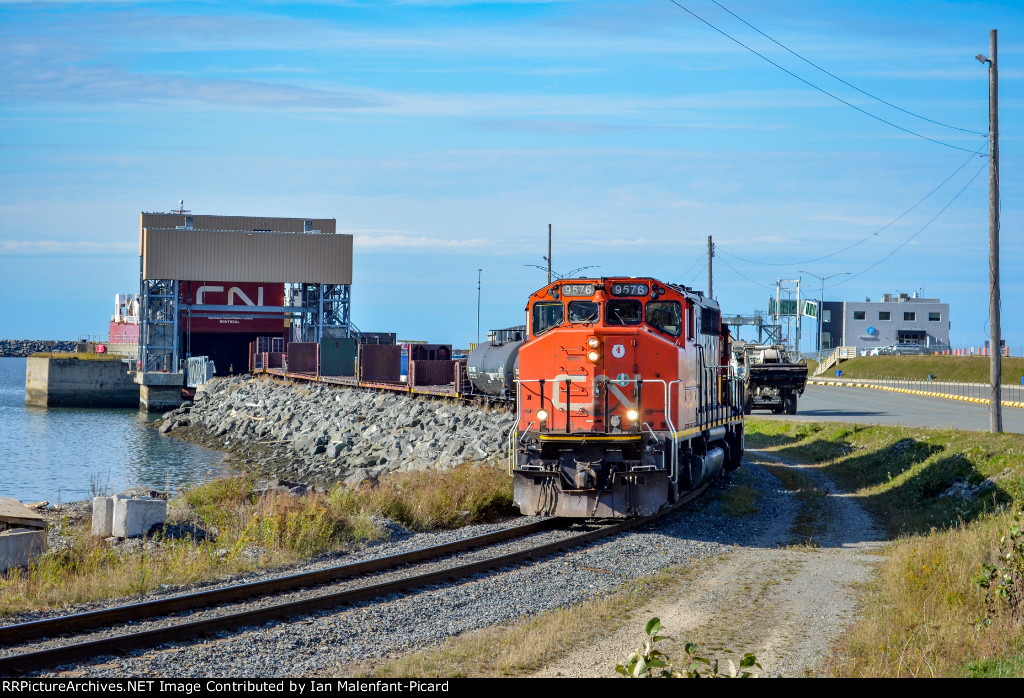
(1003, 580)
(649, 662)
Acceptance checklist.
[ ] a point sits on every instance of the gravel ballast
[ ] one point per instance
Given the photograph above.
(345, 642)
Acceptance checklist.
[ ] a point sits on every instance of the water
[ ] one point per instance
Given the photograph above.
(68, 452)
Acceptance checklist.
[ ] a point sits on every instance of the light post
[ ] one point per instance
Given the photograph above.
(821, 306)
(479, 272)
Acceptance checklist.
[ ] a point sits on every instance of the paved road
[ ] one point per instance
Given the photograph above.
(871, 406)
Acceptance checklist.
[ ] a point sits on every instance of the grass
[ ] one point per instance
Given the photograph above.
(945, 500)
(532, 643)
(970, 369)
(75, 355)
(248, 532)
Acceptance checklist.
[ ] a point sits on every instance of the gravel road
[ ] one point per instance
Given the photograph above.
(786, 604)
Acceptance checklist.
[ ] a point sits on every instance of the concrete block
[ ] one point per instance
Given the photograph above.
(134, 517)
(102, 516)
(19, 546)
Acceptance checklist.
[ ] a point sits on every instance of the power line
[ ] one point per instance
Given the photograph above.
(919, 231)
(833, 75)
(812, 85)
(758, 283)
(696, 261)
(872, 235)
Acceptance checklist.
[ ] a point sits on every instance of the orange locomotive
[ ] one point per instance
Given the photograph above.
(624, 398)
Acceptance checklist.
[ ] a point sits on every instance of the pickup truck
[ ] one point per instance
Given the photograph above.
(772, 380)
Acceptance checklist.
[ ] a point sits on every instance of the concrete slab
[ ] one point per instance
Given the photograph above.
(134, 517)
(102, 516)
(16, 515)
(18, 547)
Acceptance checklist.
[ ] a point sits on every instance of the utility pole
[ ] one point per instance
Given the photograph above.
(711, 253)
(995, 333)
(479, 272)
(821, 303)
(549, 253)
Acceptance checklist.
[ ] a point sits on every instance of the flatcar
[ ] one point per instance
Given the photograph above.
(624, 398)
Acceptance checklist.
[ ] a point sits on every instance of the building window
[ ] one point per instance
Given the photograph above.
(188, 223)
(884, 315)
(934, 317)
(826, 316)
(860, 314)
(826, 340)
(307, 226)
(909, 317)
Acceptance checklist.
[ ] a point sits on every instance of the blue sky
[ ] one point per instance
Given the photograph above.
(446, 136)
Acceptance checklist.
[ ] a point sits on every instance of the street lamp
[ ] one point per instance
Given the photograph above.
(479, 272)
(821, 307)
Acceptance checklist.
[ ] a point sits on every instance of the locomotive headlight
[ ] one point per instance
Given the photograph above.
(593, 356)
(542, 415)
(633, 415)
(594, 342)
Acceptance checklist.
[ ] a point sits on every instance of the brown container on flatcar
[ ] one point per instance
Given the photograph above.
(380, 363)
(303, 357)
(426, 372)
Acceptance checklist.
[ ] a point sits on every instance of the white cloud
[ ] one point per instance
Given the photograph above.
(57, 247)
(388, 239)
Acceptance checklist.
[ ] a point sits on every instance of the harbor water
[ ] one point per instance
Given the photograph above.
(68, 453)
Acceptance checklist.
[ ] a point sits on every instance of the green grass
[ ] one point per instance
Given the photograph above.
(944, 498)
(249, 532)
(970, 369)
(900, 473)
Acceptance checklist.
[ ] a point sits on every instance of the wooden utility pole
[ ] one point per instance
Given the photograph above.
(711, 253)
(549, 253)
(995, 341)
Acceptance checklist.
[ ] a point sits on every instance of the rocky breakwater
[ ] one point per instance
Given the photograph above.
(321, 434)
(24, 347)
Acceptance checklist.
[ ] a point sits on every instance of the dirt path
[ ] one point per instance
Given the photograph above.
(786, 603)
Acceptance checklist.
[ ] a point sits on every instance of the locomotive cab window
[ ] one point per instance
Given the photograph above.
(584, 311)
(623, 312)
(546, 316)
(666, 316)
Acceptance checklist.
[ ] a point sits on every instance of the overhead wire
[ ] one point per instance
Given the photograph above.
(812, 85)
(872, 235)
(696, 261)
(919, 231)
(738, 273)
(836, 77)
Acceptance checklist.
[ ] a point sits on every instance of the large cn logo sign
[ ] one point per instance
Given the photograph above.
(212, 295)
(247, 297)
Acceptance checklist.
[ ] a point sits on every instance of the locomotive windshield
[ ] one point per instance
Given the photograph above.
(666, 316)
(623, 312)
(584, 311)
(546, 316)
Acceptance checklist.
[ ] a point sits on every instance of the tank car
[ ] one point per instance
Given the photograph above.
(624, 398)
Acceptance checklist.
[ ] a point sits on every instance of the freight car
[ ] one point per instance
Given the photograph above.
(624, 397)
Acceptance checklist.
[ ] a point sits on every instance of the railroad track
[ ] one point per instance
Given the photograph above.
(151, 623)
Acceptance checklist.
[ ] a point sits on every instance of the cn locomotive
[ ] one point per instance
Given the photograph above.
(624, 397)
